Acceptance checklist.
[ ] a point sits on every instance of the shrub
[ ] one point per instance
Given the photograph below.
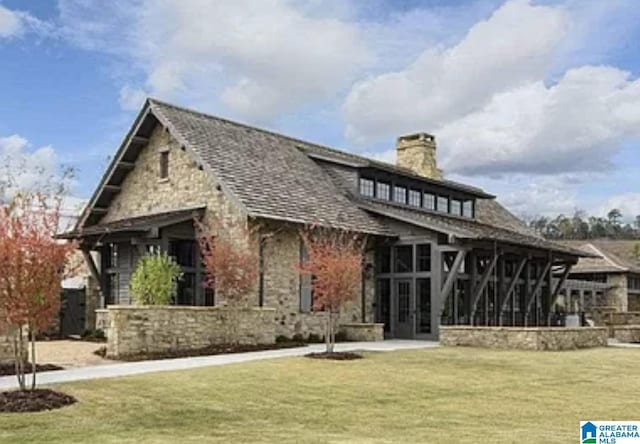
(154, 279)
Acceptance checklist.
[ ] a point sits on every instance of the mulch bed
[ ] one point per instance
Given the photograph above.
(206, 351)
(10, 369)
(33, 401)
(336, 356)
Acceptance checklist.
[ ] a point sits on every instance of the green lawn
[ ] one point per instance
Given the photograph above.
(446, 395)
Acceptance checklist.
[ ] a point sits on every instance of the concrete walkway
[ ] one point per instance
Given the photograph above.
(614, 343)
(163, 365)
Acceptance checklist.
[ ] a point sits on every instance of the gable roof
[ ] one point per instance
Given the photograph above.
(615, 256)
(279, 177)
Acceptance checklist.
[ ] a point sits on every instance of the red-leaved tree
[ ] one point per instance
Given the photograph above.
(32, 266)
(231, 263)
(335, 265)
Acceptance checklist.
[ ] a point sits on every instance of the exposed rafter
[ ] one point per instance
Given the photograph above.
(112, 188)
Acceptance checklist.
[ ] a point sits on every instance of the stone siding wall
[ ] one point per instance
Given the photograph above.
(282, 288)
(6, 349)
(143, 192)
(534, 338)
(363, 332)
(133, 330)
(626, 333)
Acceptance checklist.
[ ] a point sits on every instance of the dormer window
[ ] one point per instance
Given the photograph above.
(408, 192)
(456, 207)
(400, 195)
(366, 187)
(429, 201)
(414, 198)
(467, 208)
(164, 164)
(383, 191)
(443, 204)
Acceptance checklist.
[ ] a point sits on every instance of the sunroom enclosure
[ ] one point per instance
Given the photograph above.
(426, 282)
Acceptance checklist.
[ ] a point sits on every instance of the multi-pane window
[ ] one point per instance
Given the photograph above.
(423, 257)
(634, 282)
(183, 252)
(400, 195)
(164, 164)
(467, 208)
(383, 191)
(443, 204)
(113, 296)
(408, 192)
(383, 260)
(112, 258)
(366, 187)
(414, 198)
(456, 207)
(429, 201)
(403, 259)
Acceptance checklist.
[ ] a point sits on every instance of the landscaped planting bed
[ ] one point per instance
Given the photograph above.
(219, 349)
(33, 400)
(9, 369)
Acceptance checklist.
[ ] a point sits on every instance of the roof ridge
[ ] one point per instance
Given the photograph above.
(255, 128)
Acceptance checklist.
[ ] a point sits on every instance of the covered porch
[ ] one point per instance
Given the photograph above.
(121, 243)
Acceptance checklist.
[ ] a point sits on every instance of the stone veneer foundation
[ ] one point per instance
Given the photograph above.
(144, 329)
(360, 332)
(626, 333)
(525, 338)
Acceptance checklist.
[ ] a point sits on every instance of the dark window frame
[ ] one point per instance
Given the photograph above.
(164, 164)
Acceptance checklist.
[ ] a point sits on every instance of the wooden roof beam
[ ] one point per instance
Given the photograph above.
(112, 188)
(126, 165)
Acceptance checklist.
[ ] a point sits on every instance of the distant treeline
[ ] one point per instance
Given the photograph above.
(580, 226)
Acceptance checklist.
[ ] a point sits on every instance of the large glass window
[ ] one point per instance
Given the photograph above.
(383, 190)
(429, 201)
(404, 259)
(400, 195)
(186, 290)
(423, 299)
(414, 198)
(366, 187)
(113, 292)
(443, 204)
(423, 257)
(383, 260)
(183, 252)
(383, 303)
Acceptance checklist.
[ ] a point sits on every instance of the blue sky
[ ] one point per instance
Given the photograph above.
(536, 101)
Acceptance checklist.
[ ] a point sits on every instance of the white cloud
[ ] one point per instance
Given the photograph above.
(132, 98)
(10, 22)
(505, 51)
(577, 124)
(257, 59)
(627, 203)
(24, 168)
(16, 23)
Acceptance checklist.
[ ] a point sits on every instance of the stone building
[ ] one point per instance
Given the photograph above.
(617, 265)
(439, 252)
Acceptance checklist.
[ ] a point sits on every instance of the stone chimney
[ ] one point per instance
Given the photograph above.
(417, 152)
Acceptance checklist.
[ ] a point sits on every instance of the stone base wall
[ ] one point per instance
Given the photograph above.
(363, 332)
(626, 333)
(533, 338)
(102, 320)
(6, 349)
(144, 329)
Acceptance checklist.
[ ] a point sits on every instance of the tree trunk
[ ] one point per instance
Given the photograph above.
(18, 355)
(32, 338)
(329, 335)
